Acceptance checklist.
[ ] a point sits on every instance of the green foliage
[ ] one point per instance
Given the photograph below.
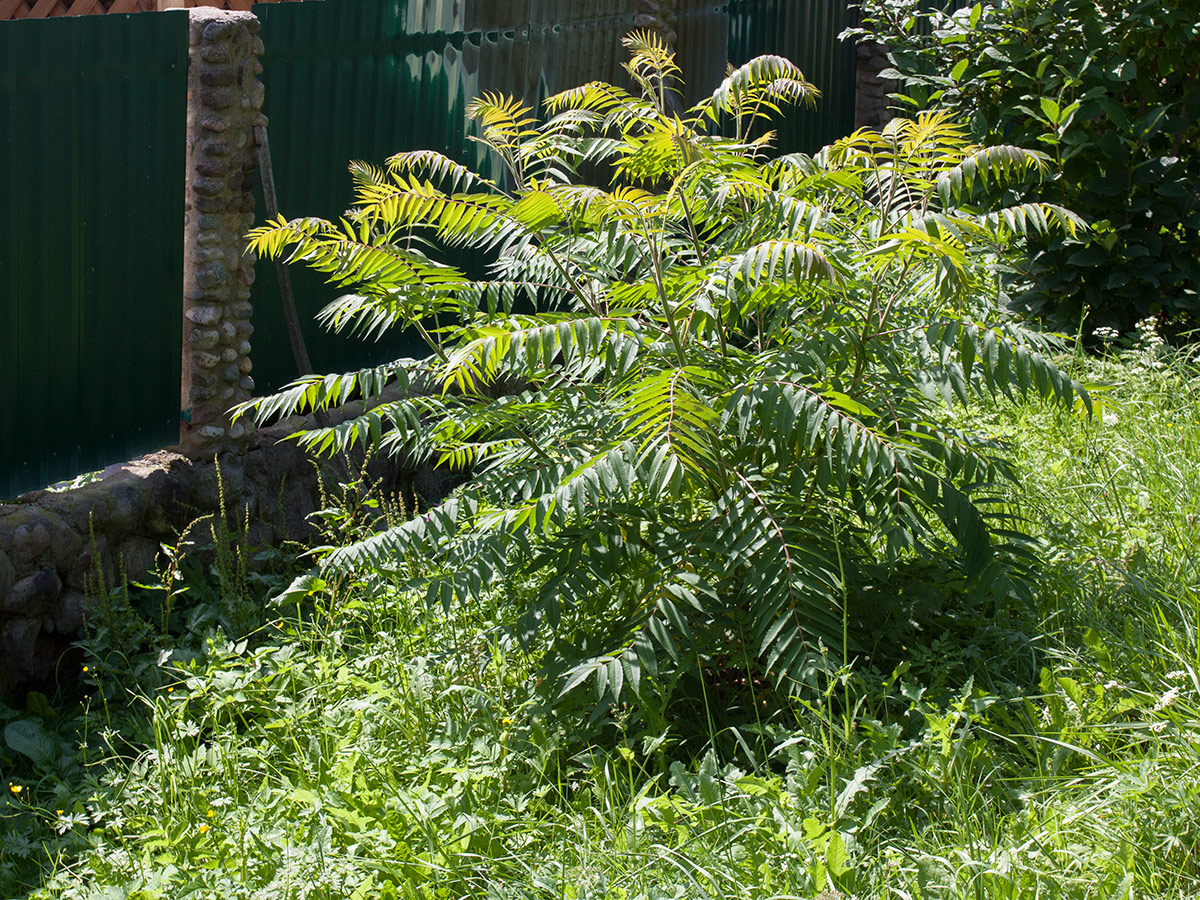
(57, 753)
(1110, 92)
(723, 408)
(364, 744)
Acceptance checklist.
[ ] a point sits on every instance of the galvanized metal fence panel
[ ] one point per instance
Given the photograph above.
(364, 80)
(91, 169)
(701, 46)
(348, 80)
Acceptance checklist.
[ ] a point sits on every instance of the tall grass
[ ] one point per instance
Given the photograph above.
(360, 744)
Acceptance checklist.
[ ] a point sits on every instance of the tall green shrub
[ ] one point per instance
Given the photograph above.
(1111, 92)
(721, 414)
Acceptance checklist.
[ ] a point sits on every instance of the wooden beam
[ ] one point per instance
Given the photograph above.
(295, 336)
(8, 9)
(44, 9)
(85, 7)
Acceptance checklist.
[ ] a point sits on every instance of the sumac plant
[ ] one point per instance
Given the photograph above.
(699, 402)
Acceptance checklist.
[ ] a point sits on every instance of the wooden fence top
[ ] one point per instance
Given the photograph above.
(45, 9)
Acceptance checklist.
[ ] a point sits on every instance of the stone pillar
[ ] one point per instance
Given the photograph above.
(224, 102)
(658, 16)
(872, 108)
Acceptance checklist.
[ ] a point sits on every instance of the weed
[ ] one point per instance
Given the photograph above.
(361, 741)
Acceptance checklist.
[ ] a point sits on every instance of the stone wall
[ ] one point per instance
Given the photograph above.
(58, 549)
(224, 102)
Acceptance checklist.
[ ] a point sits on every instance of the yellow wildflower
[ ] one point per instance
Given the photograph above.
(203, 828)
(16, 788)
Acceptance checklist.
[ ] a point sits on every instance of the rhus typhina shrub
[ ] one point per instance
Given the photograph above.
(720, 410)
(1110, 91)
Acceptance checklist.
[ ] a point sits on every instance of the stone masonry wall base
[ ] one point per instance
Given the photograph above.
(59, 549)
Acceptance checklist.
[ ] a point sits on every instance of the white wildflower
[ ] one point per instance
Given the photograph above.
(1147, 331)
(1072, 708)
(1166, 699)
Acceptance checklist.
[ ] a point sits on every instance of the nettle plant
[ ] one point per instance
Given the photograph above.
(700, 404)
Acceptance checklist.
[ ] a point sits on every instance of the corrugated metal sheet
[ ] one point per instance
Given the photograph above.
(91, 171)
(91, 162)
(364, 80)
(805, 31)
(701, 46)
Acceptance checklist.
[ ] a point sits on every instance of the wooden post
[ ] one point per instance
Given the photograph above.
(299, 351)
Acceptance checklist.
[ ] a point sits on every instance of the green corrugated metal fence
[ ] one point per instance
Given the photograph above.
(91, 178)
(91, 172)
(805, 31)
(364, 80)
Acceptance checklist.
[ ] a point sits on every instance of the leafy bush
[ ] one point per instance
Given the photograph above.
(372, 747)
(1110, 92)
(723, 411)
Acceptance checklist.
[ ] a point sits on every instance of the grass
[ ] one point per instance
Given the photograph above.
(361, 745)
